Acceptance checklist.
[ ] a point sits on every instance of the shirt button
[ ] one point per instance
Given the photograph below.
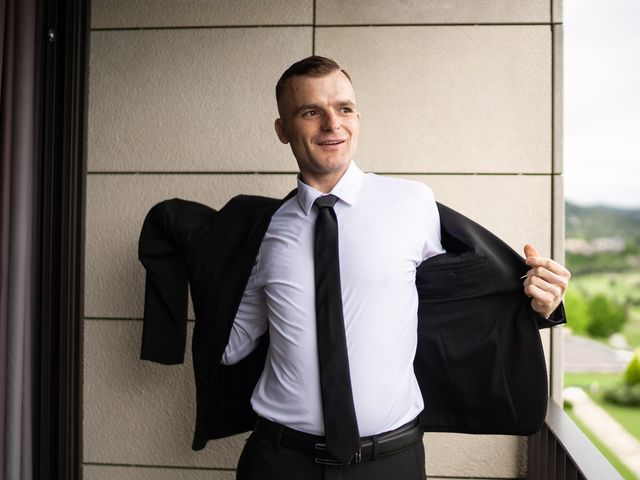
(452, 275)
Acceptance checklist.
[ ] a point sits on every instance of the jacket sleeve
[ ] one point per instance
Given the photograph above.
(558, 317)
(165, 235)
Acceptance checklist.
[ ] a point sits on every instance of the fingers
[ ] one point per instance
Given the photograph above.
(545, 282)
(542, 301)
(545, 286)
(544, 276)
(530, 251)
(535, 260)
(548, 264)
(555, 289)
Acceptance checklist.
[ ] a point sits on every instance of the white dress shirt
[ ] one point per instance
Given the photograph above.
(387, 227)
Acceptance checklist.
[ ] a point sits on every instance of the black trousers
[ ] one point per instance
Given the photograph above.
(263, 459)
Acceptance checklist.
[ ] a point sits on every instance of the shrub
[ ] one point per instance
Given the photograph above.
(627, 393)
(628, 396)
(632, 373)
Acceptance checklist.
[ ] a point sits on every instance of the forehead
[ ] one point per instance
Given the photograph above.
(302, 89)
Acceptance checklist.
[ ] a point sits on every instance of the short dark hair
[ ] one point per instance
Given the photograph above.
(313, 66)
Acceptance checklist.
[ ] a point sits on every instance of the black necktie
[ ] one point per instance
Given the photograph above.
(340, 424)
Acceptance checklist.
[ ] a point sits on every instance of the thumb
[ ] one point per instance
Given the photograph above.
(530, 251)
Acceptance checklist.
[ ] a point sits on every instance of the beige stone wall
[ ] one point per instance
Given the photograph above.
(464, 96)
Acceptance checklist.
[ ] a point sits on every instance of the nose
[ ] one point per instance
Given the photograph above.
(331, 122)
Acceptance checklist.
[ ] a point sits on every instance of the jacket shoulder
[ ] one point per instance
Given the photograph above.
(175, 220)
(249, 203)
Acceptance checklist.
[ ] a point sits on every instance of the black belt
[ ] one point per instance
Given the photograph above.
(371, 448)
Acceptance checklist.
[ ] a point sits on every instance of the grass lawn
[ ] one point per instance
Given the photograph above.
(618, 286)
(585, 380)
(608, 454)
(628, 417)
(632, 329)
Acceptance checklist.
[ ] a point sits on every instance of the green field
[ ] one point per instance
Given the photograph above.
(618, 286)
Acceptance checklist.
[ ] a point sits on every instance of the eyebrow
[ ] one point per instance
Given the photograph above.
(315, 106)
(307, 106)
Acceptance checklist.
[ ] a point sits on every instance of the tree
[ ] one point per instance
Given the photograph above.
(577, 309)
(607, 317)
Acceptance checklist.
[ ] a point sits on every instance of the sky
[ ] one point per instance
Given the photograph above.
(602, 102)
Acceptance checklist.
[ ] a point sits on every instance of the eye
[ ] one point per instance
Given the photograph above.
(346, 110)
(310, 113)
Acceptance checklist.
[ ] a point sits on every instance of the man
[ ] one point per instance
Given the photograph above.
(386, 229)
(329, 320)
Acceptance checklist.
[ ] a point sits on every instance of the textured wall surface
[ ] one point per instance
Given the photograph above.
(464, 96)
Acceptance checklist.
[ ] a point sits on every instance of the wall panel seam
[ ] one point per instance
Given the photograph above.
(553, 105)
(313, 30)
(552, 168)
(105, 318)
(157, 466)
(201, 27)
(435, 24)
(328, 25)
(115, 319)
(295, 172)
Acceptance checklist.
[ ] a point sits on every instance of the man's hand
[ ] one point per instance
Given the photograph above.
(545, 283)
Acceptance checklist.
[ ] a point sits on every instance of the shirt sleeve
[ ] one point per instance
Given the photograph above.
(432, 245)
(250, 322)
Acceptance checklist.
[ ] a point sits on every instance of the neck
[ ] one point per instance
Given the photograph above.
(322, 182)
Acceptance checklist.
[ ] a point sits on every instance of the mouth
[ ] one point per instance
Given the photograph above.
(331, 143)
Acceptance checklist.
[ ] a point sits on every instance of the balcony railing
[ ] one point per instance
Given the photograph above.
(561, 451)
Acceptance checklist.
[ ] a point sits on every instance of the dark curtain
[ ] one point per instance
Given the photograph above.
(43, 56)
(18, 190)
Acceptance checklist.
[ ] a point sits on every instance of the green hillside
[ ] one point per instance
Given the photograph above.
(600, 221)
(592, 223)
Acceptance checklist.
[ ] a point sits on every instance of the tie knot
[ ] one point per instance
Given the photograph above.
(325, 201)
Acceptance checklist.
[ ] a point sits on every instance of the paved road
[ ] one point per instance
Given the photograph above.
(584, 355)
(607, 429)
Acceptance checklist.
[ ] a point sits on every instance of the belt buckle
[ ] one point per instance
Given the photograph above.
(322, 447)
(358, 456)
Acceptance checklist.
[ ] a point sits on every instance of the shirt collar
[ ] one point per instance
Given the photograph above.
(347, 189)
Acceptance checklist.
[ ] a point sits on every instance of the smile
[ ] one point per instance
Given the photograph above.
(331, 142)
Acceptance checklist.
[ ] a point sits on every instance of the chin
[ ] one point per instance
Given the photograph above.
(335, 166)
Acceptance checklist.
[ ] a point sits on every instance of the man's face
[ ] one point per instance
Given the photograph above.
(320, 121)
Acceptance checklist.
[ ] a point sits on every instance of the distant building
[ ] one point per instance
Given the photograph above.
(597, 245)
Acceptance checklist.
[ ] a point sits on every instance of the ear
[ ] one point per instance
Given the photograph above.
(279, 125)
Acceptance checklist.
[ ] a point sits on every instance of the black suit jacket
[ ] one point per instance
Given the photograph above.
(479, 360)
